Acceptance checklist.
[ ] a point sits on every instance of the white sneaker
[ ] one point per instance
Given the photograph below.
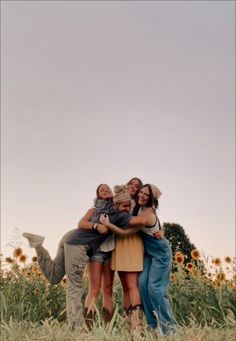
(33, 239)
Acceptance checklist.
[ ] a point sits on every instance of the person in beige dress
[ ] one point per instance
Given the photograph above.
(99, 270)
(127, 260)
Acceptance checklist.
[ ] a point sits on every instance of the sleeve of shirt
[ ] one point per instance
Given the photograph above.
(122, 219)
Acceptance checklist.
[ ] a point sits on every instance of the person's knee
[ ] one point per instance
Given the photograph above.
(107, 290)
(132, 285)
(94, 292)
(142, 282)
(154, 289)
(125, 287)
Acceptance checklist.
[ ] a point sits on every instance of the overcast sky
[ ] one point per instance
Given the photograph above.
(102, 91)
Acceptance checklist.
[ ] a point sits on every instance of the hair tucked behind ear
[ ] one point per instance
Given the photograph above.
(152, 201)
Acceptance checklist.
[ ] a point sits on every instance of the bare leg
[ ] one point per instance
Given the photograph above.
(107, 289)
(130, 283)
(131, 279)
(95, 269)
(126, 297)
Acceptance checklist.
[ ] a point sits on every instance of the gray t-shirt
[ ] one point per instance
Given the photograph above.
(93, 238)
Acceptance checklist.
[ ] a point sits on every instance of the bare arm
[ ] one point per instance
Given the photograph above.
(123, 232)
(84, 223)
(104, 219)
(141, 219)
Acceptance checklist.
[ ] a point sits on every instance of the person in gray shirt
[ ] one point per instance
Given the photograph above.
(73, 251)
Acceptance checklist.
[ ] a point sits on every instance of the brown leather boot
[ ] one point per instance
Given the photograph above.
(89, 318)
(136, 318)
(107, 315)
(128, 312)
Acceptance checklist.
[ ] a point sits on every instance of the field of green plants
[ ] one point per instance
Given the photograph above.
(203, 301)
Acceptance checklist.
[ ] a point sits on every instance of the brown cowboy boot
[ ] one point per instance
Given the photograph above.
(107, 315)
(136, 318)
(89, 317)
(128, 312)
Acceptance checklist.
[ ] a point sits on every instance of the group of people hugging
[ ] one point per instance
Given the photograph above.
(122, 233)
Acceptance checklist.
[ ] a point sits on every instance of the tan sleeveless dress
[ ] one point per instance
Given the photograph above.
(128, 253)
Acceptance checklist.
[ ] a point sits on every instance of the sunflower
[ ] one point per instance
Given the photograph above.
(195, 254)
(23, 258)
(17, 252)
(172, 277)
(217, 261)
(179, 258)
(231, 285)
(34, 259)
(36, 291)
(34, 269)
(217, 284)
(190, 267)
(24, 271)
(228, 259)
(221, 277)
(9, 260)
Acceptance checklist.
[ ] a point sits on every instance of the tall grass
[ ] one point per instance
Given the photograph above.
(203, 303)
(51, 330)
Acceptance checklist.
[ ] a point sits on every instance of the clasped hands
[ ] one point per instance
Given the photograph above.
(102, 228)
(104, 219)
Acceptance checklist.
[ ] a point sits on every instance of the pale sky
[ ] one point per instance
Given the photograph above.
(102, 91)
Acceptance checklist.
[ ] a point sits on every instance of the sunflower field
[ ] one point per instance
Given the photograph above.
(203, 297)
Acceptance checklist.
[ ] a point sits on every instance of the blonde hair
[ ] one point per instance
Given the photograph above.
(121, 194)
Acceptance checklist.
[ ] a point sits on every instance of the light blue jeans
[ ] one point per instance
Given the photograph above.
(153, 285)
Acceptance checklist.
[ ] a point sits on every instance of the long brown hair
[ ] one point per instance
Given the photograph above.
(140, 185)
(97, 192)
(152, 201)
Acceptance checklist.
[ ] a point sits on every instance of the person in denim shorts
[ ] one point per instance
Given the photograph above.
(99, 266)
(99, 271)
(74, 249)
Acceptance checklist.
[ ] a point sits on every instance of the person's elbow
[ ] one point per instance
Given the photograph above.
(142, 221)
(79, 223)
(138, 221)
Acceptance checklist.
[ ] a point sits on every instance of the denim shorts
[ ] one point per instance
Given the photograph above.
(101, 256)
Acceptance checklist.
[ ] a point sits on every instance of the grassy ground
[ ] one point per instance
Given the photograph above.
(51, 330)
(31, 309)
